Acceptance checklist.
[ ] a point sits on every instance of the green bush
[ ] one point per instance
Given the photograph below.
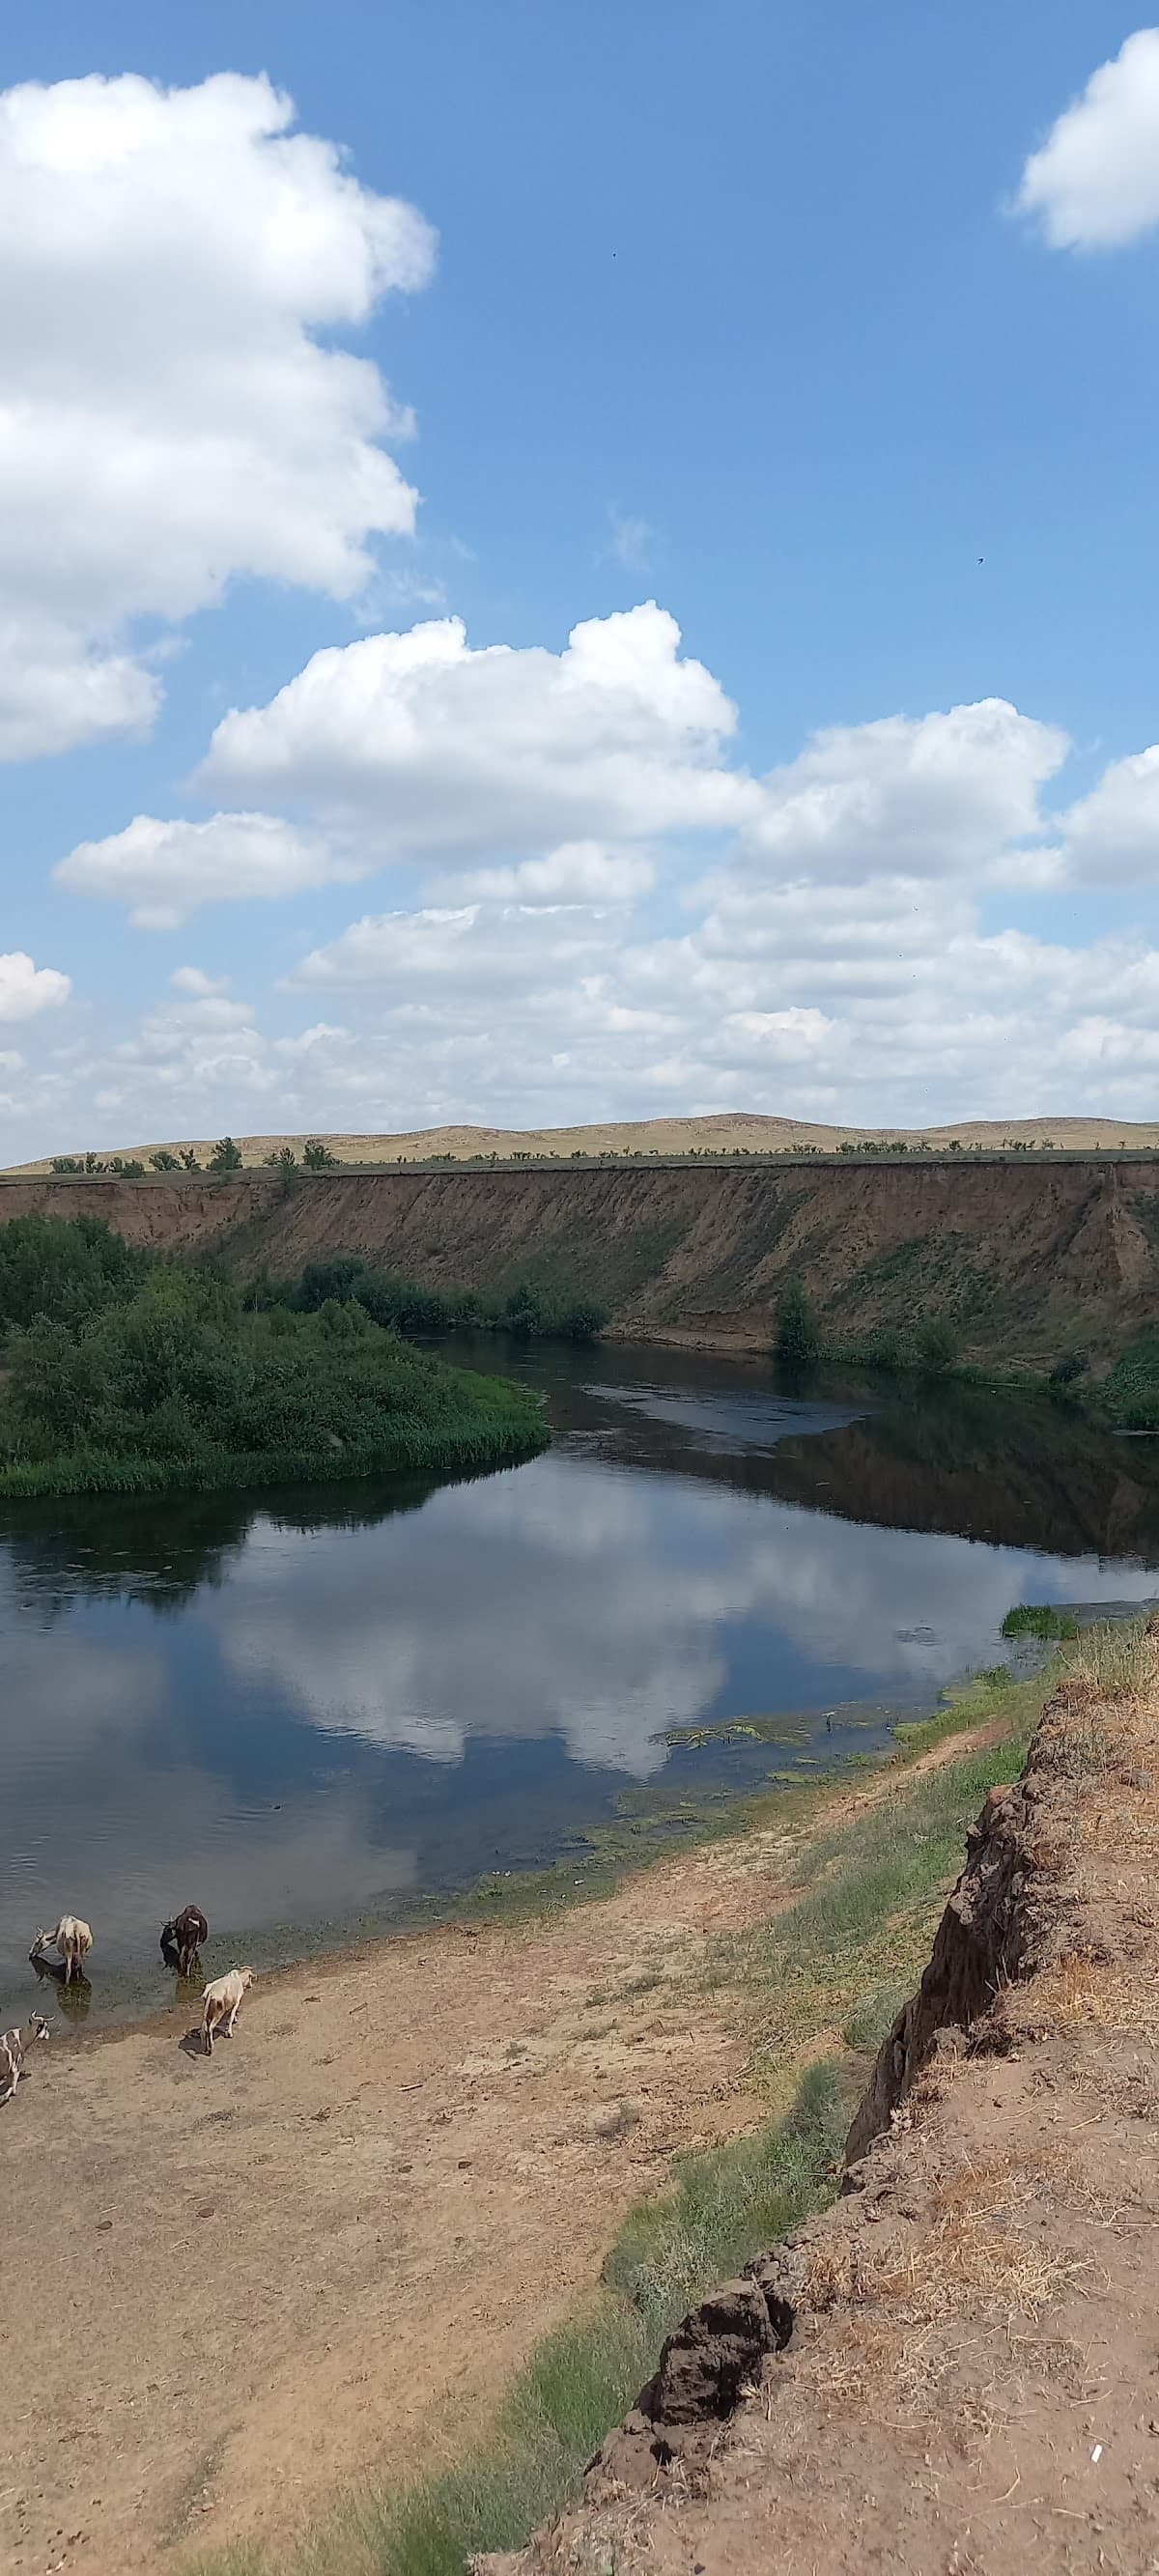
(400, 1304)
(1131, 1393)
(1039, 1619)
(226, 1156)
(170, 1384)
(935, 1344)
(797, 1342)
(65, 1269)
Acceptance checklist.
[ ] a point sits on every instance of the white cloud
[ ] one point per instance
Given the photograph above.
(909, 796)
(1094, 184)
(26, 989)
(192, 979)
(174, 265)
(164, 871)
(578, 872)
(630, 543)
(433, 749)
(442, 949)
(1112, 835)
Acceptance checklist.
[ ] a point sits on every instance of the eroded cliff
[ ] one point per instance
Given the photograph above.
(1022, 1259)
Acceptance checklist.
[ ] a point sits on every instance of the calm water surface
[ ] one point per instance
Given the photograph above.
(313, 1711)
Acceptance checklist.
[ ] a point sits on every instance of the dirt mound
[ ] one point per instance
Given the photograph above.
(955, 2371)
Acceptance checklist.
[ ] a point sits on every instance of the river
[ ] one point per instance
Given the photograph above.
(318, 1713)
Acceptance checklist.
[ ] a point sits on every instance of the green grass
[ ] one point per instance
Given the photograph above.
(457, 1443)
(872, 1891)
(1039, 1619)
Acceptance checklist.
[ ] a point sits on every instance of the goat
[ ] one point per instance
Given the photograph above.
(14, 2047)
(184, 1933)
(72, 1939)
(220, 1999)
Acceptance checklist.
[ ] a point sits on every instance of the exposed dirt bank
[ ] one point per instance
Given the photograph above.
(231, 2286)
(956, 2371)
(1024, 1260)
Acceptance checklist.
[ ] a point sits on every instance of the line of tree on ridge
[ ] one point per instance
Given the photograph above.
(226, 1156)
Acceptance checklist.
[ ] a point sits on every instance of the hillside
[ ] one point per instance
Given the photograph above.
(954, 2369)
(1022, 1259)
(731, 1131)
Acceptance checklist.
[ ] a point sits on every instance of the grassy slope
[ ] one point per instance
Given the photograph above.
(827, 1975)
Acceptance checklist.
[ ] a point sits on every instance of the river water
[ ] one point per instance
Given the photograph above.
(316, 1712)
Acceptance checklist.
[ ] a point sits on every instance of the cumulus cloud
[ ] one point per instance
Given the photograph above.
(578, 872)
(435, 749)
(174, 265)
(164, 871)
(26, 989)
(911, 796)
(1112, 835)
(446, 948)
(1094, 183)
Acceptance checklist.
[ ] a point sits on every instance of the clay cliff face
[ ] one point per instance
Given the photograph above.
(1022, 1259)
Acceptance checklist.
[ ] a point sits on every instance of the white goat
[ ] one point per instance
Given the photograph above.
(14, 2047)
(72, 1939)
(220, 1999)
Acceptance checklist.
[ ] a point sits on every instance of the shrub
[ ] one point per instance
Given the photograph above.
(797, 1341)
(1039, 1619)
(65, 1269)
(1131, 1393)
(317, 1157)
(164, 1161)
(226, 1156)
(1071, 1365)
(936, 1344)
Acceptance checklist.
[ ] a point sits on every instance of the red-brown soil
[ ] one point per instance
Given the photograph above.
(1022, 1259)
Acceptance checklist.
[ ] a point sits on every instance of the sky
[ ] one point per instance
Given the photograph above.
(565, 564)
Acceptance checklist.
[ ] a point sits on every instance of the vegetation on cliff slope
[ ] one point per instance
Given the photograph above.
(128, 1374)
(527, 1310)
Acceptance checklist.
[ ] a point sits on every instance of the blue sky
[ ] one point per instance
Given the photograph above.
(778, 319)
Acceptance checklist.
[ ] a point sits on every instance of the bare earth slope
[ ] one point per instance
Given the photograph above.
(956, 2371)
(725, 1131)
(1023, 1259)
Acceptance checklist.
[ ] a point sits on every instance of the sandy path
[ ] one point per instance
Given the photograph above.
(324, 2250)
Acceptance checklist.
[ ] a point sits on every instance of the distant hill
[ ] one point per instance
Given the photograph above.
(729, 1131)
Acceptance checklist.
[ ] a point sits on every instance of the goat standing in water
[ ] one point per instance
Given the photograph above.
(183, 1936)
(72, 1939)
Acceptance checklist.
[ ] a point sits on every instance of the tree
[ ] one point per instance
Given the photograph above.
(283, 1160)
(226, 1156)
(797, 1341)
(317, 1157)
(189, 1161)
(164, 1161)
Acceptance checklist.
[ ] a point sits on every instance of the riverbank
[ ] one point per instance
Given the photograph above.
(950, 2368)
(1021, 1261)
(409, 2164)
